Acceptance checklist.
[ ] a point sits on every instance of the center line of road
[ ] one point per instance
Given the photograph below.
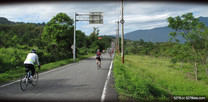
(106, 82)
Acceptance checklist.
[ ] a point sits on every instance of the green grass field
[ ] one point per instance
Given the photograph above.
(145, 78)
(14, 74)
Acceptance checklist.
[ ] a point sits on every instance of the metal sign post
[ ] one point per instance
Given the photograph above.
(93, 18)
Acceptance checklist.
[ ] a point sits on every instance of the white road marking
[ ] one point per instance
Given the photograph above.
(10, 83)
(106, 82)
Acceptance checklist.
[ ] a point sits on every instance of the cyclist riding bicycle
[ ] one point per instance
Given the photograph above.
(98, 55)
(32, 57)
(110, 52)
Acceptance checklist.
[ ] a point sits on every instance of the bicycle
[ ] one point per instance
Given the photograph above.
(25, 80)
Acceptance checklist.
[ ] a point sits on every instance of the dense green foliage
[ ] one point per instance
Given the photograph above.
(20, 34)
(53, 42)
(57, 37)
(146, 78)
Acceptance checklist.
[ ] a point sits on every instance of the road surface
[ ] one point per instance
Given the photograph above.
(80, 81)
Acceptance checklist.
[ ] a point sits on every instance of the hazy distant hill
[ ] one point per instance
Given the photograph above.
(5, 21)
(157, 34)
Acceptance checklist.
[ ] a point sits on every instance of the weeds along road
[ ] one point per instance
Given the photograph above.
(80, 81)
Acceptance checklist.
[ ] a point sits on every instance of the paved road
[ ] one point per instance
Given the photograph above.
(79, 81)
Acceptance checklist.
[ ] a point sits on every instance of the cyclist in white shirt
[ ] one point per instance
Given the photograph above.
(30, 61)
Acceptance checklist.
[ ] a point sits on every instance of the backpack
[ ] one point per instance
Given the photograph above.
(97, 55)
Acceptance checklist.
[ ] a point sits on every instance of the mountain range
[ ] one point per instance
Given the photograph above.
(159, 34)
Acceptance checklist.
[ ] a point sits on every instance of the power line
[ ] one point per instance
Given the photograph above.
(117, 14)
(118, 11)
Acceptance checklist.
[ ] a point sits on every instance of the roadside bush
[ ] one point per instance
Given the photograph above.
(11, 58)
(82, 51)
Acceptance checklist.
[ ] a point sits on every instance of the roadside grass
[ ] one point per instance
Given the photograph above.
(16, 73)
(145, 78)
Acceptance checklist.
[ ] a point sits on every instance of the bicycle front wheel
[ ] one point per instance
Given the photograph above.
(24, 82)
(35, 79)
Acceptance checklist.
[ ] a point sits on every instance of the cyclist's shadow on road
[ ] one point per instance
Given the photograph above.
(104, 68)
(109, 59)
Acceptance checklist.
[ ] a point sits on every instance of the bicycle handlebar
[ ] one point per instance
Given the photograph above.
(38, 67)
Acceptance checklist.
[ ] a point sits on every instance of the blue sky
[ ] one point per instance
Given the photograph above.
(137, 15)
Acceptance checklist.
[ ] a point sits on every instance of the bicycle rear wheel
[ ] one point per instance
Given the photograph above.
(98, 65)
(24, 82)
(35, 79)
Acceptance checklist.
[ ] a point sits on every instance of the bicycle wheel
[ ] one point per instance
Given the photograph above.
(35, 79)
(98, 65)
(24, 82)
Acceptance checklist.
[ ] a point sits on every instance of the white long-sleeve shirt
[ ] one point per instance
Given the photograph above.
(31, 59)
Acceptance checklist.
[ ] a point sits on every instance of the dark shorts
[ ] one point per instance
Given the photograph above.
(98, 58)
(29, 67)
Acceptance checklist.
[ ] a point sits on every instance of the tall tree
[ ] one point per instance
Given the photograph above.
(94, 40)
(190, 28)
(58, 35)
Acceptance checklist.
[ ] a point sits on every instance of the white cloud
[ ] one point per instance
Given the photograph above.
(137, 15)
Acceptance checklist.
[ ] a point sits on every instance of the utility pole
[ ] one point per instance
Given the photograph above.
(74, 47)
(122, 33)
(116, 41)
(118, 37)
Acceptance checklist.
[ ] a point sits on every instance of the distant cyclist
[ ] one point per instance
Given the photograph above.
(29, 62)
(98, 56)
(108, 50)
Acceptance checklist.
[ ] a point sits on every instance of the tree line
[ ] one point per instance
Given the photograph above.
(52, 41)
